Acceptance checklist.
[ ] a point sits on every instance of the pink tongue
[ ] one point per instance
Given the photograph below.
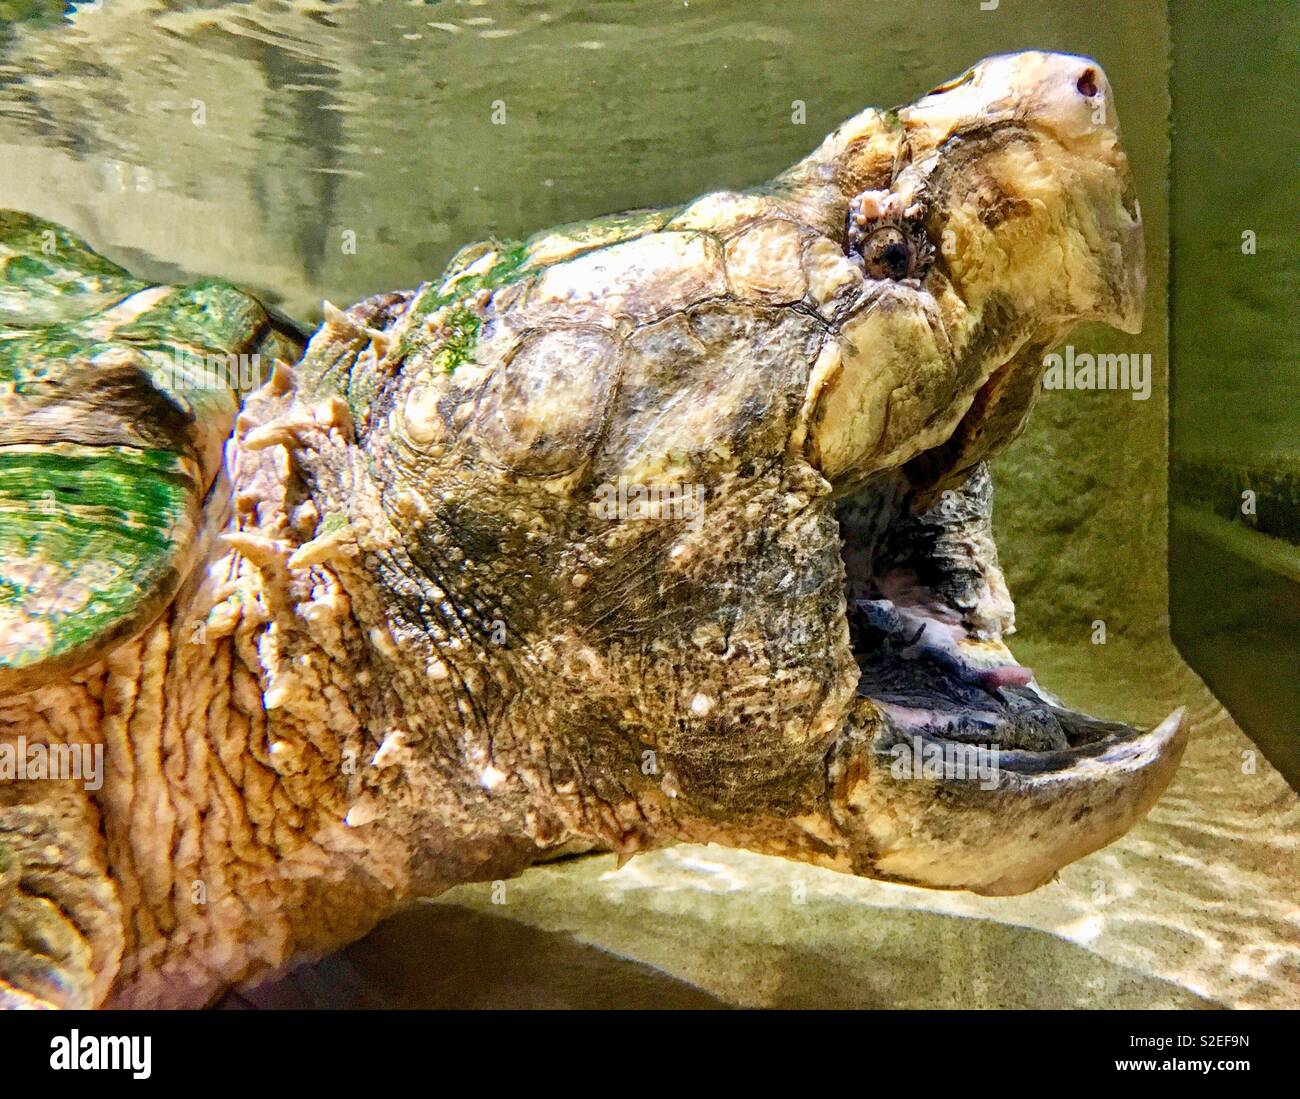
(939, 627)
(1007, 675)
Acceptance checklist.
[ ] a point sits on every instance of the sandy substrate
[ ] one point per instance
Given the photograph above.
(1197, 907)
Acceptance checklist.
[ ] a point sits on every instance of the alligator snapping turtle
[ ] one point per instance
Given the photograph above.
(671, 526)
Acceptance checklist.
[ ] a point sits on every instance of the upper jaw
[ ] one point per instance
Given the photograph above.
(1066, 102)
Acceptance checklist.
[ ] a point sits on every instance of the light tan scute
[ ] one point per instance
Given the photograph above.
(883, 389)
(763, 263)
(638, 281)
(543, 413)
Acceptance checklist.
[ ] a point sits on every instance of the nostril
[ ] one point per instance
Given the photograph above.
(1087, 83)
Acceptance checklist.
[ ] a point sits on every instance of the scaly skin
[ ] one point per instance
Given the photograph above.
(223, 819)
(418, 649)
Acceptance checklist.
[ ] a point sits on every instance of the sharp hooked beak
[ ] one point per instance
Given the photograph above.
(1002, 830)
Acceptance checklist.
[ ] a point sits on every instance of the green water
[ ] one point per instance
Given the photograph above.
(378, 117)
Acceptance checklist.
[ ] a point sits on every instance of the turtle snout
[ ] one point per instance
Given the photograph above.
(1070, 98)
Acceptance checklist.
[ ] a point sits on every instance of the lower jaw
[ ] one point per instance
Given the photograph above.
(964, 773)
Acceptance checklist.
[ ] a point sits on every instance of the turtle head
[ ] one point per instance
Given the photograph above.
(981, 222)
(634, 513)
(986, 219)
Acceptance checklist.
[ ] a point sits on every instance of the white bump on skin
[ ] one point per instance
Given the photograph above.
(382, 640)
(361, 814)
(423, 423)
(285, 756)
(393, 745)
(491, 778)
(701, 705)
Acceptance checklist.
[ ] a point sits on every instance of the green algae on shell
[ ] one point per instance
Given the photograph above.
(116, 399)
(444, 318)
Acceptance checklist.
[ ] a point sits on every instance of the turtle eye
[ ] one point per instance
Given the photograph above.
(886, 237)
(888, 254)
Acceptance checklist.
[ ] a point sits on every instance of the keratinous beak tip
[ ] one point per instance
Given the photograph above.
(1010, 834)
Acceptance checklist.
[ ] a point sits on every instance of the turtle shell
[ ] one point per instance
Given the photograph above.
(116, 398)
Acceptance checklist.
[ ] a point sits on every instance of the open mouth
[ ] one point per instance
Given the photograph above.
(960, 771)
(930, 656)
(930, 679)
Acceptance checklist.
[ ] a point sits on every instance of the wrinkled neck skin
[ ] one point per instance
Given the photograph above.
(510, 705)
(506, 710)
(267, 794)
(317, 733)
